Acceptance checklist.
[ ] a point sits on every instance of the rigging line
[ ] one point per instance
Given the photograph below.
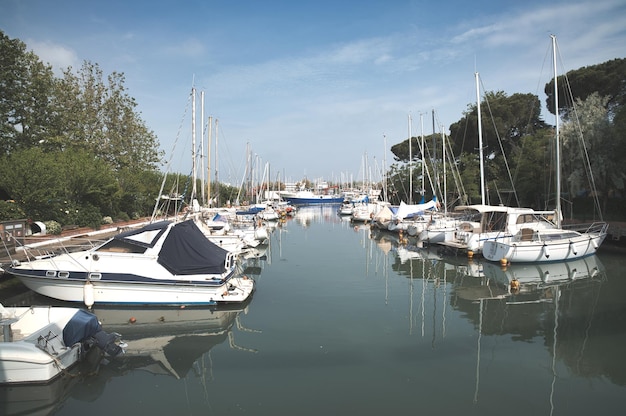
(456, 175)
(581, 142)
(432, 167)
(506, 163)
(169, 162)
(532, 111)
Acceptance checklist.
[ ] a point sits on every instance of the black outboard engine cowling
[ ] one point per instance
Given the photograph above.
(109, 343)
(84, 327)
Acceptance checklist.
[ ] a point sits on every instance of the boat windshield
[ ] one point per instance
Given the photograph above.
(533, 218)
(121, 246)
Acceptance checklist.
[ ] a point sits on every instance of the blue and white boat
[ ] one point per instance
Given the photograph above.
(163, 263)
(39, 343)
(307, 197)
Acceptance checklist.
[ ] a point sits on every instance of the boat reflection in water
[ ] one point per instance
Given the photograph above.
(550, 302)
(168, 341)
(533, 277)
(161, 341)
(46, 399)
(547, 324)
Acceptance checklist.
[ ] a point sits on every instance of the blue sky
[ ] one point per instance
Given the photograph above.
(314, 88)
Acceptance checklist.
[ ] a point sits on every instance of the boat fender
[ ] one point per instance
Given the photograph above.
(594, 244)
(88, 297)
(514, 285)
(571, 244)
(546, 251)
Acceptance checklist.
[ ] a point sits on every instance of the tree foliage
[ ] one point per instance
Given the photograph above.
(607, 79)
(26, 87)
(68, 187)
(101, 117)
(590, 141)
(504, 119)
(74, 148)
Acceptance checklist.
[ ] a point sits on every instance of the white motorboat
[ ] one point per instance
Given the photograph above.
(163, 263)
(39, 343)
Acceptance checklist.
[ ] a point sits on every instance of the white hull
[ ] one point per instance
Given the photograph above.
(33, 350)
(514, 251)
(436, 235)
(237, 289)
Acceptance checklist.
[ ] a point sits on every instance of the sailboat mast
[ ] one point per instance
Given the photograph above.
(410, 166)
(480, 142)
(385, 196)
(208, 164)
(557, 138)
(423, 190)
(193, 144)
(443, 160)
(202, 131)
(217, 182)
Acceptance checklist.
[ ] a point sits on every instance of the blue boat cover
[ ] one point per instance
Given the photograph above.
(83, 325)
(187, 251)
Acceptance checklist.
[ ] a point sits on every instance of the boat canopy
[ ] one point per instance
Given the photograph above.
(146, 236)
(186, 251)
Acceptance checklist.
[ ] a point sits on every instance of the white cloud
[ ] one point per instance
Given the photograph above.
(59, 56)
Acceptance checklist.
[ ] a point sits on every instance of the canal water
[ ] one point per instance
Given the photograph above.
(349, 321)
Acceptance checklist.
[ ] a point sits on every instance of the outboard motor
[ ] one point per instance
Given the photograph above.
(84, 327)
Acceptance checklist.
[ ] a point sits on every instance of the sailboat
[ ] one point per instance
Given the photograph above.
(481, 223)
(548, 244)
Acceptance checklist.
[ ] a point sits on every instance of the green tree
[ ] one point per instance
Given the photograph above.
(68, 187)
(102, 118)
(505, 120)
(534, 170)
(607, 79)
(26, 87)
(589, 134)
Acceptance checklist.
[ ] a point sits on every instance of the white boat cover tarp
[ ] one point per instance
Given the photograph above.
(406, 210)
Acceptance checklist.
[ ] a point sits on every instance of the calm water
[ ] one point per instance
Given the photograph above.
(344, 322)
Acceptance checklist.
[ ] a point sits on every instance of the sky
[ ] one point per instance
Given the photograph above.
(313, 89)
